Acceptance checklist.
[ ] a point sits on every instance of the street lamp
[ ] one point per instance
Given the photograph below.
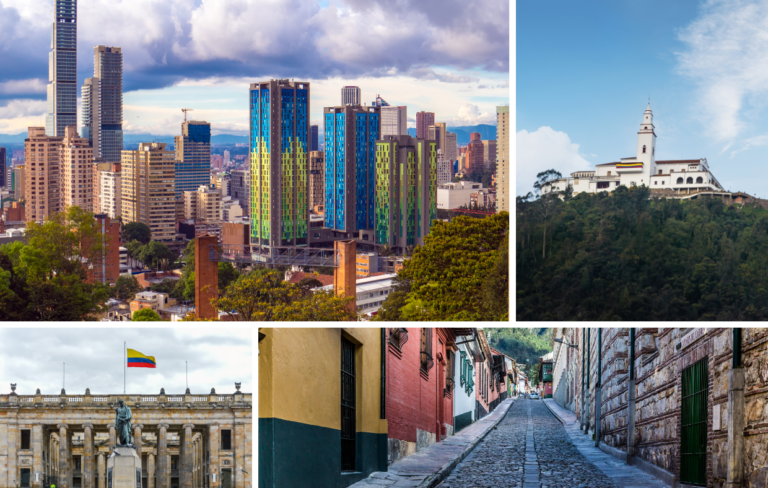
(561, 341)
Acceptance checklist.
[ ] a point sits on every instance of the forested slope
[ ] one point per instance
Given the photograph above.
(621, 256)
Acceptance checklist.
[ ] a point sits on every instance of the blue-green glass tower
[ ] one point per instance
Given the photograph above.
(62, 69)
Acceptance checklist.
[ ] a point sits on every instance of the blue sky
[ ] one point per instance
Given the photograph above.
(585, 71)
(450, 57)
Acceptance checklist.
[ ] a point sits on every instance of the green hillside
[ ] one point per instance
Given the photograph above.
(521, 344)
(623, 256)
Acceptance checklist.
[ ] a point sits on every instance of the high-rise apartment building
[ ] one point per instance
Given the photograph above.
(379, 102)
(110, 191)
(20, 181)
(279, 122)
(148, 189)
(350, 95)
(394, 121)
(314, 142)
(451, 146)
(423, 121)
(502, 159)
(193, 156)
(444, 167)
(406, 190)
(475, 153)
(351, 132)
(62, 70)
(240, 189)
(203, 205)
(446, 141)
(3, 180)
(227, 157)
(103, 104)
(76, 171)
(489, 153)
(316, 178)
(41, 177)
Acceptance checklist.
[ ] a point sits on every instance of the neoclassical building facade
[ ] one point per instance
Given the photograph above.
(184, 440)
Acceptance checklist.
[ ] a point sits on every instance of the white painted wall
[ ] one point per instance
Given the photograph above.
(462, 401)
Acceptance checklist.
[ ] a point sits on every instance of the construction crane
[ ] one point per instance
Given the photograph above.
(185, 110)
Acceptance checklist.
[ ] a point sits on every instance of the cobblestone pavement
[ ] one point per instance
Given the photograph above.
(528, 449)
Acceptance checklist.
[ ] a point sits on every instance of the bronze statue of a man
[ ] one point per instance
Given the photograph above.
(123, 424)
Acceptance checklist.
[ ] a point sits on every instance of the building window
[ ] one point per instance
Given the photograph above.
(643, 148)
(602, 184)
(679, 181)
(659, 171)
(25, 439)
(662, 183)
(655, 182)
(398, 337)
(226, 439)
(426, 350)
(699, 180)
(609, 173)
(450, 372)
(689, 180)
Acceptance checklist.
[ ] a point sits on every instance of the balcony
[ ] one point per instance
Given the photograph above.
(546, 377)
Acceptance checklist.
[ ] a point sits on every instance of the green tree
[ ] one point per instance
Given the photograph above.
(227, 275)
(155, 253)
(146, 315)
(126, 287)
(137, 231)
(495, 288)
(134, 248)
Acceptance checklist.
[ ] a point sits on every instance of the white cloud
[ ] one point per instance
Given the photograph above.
(727, 56)
(470, 114)
(542, 150)
(23, 87)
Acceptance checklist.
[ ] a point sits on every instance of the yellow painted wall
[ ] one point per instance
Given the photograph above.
(300, 376)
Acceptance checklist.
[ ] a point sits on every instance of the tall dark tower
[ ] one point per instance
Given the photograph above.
(62, 69)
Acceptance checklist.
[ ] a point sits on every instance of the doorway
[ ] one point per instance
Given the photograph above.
(348, 397)
(693, 433)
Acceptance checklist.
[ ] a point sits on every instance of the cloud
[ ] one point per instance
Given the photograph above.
(545, 149)
(470, 114)
(727, 56)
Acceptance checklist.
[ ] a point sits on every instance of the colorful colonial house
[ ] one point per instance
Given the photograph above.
(545, 375)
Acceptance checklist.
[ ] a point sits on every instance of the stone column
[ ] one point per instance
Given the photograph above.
(38, 470)
(238, 444)
(112, 437)
(87, 467)
(150, 470)
(213, 452)
(137, 437)
(102, 467)
(186, 481)
(64, 471)
(163, 465)
(735, 428)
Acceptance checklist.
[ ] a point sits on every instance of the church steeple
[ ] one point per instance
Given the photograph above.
(646, 142)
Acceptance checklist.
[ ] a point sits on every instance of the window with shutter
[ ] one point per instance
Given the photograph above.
(426, 350)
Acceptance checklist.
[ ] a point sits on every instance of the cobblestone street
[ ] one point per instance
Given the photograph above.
(529, 448)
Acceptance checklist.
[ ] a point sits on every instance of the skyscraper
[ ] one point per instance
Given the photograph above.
(502, 159)
(279, 122)
(351, 132)
(451, 148)
(62, 70)
(423, 121)
(316, 179)
(4, 183)
(394, 121)
(42, 195)
(193, 156)
(76, 165)
(406, 190)
(350, 95)
(475, 153)
(147, 182)
(379, 102)
(314, 144)
(108, 68)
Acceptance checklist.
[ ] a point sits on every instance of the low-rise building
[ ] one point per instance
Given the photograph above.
(151, 299)
(366, 264)
(455, 195)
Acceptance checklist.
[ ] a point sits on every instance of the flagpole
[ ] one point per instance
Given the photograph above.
(125, 360)
(186, 373)
(63, 376)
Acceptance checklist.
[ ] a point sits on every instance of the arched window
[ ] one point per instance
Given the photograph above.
(699, 180)
(679, 181)
(689, 180)
(643, 149)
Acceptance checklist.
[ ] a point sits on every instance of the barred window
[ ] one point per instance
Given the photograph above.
(426, 350)
(398, 337)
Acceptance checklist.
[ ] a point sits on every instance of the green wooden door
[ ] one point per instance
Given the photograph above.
(693, 452)
(226, 478)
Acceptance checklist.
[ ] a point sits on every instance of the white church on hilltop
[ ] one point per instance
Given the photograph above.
(683, 177)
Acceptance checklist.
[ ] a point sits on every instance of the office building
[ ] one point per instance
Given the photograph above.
(4, 181)
(203, 205)
(350, 95)
(279, 123)
(394, 121)
(455, 195)
(76, 171)
(423, 121)
(444, 167)
(148, 189)
(240, 189)
(502, 159)
(316, 179)
(406, 190)
(193, 156)
(110, 191)
(314, 144)
(103, 104)
(475, 153)
(489, 154)
(19, 180)
(451, 147)
(446, 141)
(379, 102)
(40, 179)
(351, 132)
(62, 70)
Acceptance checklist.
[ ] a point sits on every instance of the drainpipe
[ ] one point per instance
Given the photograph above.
(598, 385)
(583, 355)
(631, 399)
(383, 437)
(735, 477)
(586, 390)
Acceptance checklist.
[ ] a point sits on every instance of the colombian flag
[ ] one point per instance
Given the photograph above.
(138, 360)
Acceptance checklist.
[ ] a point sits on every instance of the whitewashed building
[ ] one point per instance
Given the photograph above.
(464, 395)
(455, 195)
(682, 177)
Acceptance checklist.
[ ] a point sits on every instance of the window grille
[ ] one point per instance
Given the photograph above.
(398, 337)
(348, 405)
(426, 350)
(450, 373)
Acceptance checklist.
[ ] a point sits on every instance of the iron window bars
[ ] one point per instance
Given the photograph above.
(398, 337)
(426, 350)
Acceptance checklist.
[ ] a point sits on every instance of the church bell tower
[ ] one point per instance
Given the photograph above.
(646, 146)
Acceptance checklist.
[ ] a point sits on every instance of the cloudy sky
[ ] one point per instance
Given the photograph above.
(446, 56)
(585, 72)
(32, 358)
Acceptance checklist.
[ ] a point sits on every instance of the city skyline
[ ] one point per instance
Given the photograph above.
(461, 73)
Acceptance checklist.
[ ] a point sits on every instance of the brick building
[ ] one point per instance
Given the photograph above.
(39, 177)
(106, 264)
(475, 153)
(663, 392)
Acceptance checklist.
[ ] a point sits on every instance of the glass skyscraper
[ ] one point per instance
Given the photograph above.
(350, 151)
(193, 156)
(62, 69)
(279, 152)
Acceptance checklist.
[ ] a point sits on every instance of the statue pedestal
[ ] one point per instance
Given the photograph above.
(124, 468)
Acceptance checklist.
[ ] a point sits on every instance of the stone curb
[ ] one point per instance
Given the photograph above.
(554, 413)
(442, 474)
